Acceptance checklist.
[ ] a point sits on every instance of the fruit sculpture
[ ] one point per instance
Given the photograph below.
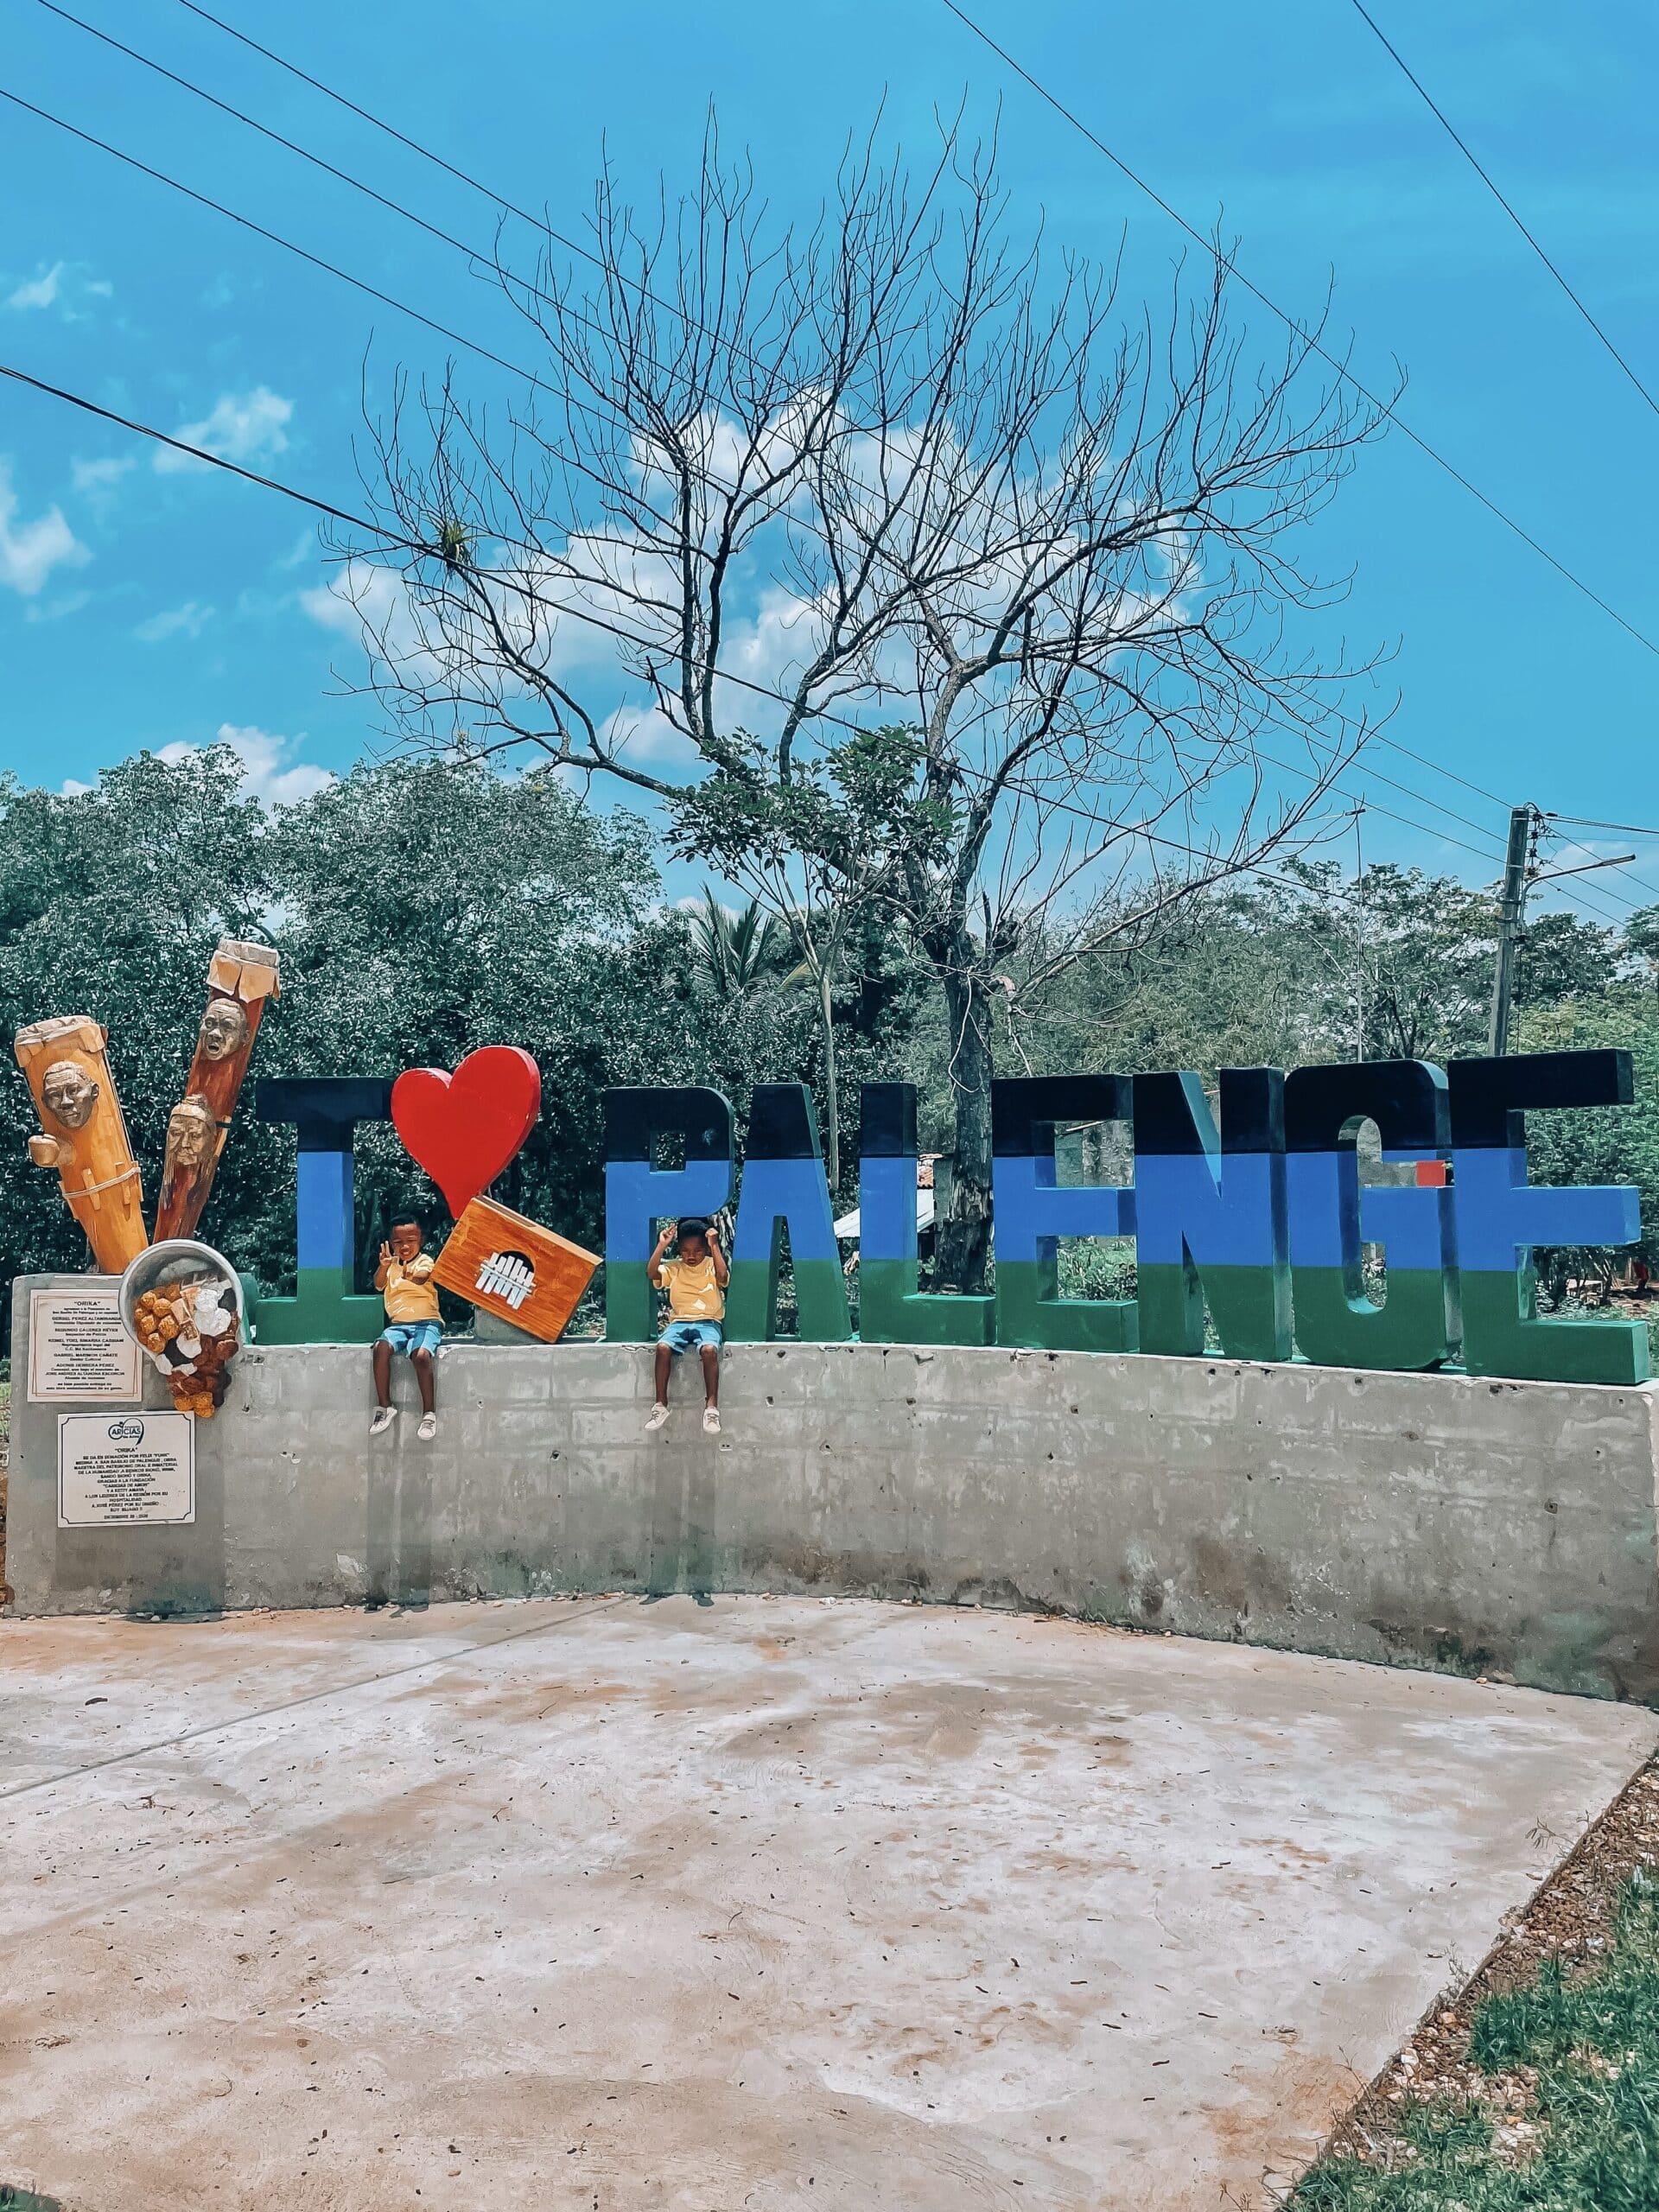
(188, 1327)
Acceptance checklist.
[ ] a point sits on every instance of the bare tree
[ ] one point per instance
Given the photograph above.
(902, 569)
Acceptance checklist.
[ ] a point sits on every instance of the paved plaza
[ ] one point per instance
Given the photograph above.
(761, 1902)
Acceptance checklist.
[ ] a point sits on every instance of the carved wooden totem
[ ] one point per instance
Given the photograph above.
(240, 978)
(86, 1135)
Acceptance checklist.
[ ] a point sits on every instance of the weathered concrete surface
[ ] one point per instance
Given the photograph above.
(1431, 1521)
(774, 1902)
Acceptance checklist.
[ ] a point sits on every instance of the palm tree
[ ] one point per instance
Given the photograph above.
(735, 947)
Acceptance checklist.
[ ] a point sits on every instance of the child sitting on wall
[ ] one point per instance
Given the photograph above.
(695, 1283)
(413, 1324)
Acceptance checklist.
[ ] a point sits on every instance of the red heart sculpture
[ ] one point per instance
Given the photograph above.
(463, 1128)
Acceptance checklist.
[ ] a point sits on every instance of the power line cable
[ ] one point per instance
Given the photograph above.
(396, 538)
(472, 254)
(1305, 337)
(501, 201)
(1584, 822)
(1492, 185)
(1338, 366)
(461, 339)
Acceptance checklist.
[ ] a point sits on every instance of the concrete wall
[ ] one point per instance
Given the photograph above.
(1431, 1521)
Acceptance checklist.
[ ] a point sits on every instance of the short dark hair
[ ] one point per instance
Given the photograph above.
(693, 1225)
(406, 1217)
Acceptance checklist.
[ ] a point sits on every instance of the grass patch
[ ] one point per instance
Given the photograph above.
(1564, 2116)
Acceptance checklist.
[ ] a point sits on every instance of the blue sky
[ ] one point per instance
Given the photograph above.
(145, 604)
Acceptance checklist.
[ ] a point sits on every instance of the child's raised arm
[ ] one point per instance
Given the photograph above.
(380, 1271)
(654, 1265)
(722, 1273)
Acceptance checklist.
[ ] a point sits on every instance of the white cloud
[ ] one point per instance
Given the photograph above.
(94, 476)
(269, 772)
(41, 292)
(303, 548)
(60, 286)
(29, 551)
(57, 609)
(188, 620)
(248, 427)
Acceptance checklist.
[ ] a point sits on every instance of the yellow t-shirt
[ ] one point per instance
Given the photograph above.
(410, 1293)
(693, 1293)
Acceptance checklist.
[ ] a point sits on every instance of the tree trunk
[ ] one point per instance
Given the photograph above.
(964, 1238)
(831, 1083)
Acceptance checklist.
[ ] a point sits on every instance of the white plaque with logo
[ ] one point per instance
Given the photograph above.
(78, 1348)
(126, 1471)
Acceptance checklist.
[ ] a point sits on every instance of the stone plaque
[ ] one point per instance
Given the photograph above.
(126, 1471)
(78, 1348)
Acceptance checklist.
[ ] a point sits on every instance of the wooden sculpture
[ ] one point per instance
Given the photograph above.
(240, 978)
(86, 1135)
(514, 1269)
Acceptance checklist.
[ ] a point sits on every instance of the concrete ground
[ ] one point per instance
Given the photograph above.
(599, 1904)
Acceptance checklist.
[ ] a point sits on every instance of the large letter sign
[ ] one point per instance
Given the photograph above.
(327, 1109)
(1501, 1218)
(1264, 1221)
(638, 1194)
(890, 1309)
(1032, 1209)
(784, 1188)
(1210, 1214)
(1338, 1323)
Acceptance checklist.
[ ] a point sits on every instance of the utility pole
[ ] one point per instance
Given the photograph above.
(1511, 912)
(1520, 871)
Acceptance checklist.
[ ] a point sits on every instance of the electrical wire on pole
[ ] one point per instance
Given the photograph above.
(461, 337)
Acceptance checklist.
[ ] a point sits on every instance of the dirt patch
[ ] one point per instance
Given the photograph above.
(1571, 1917)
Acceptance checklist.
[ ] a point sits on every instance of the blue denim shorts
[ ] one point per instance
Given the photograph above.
(412, 1336)
(692, 1336)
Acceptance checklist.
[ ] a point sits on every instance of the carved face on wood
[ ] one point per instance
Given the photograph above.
(190, 1132)
(68, 1093)
(224, 1028)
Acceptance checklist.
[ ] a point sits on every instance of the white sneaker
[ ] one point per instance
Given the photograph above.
(658, 1415)
(711, 1421)
(428, 1428)
(383, 1417)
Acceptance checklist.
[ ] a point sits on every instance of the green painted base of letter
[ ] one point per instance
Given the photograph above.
(820, 1312)
(630, 1303)
(1029, 1312)
(1502, 1336)
(891, 1311)
(1250, 1308)
(322, 1311)
(1407, 1332)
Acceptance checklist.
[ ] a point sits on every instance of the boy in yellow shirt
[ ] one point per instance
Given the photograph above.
(695, 1283)
(413, 1324)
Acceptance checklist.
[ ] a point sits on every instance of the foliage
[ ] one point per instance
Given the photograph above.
(1594, 2043)
(429, 906)
(420, 909)
(734, 949)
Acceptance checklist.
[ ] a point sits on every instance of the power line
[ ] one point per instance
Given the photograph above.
(1583, 821)
(392, 537)
(1491, 185)
(1305, 337)
(461, 339)
(472, 255)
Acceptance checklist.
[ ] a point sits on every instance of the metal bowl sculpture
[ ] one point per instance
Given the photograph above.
(182, 1302)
